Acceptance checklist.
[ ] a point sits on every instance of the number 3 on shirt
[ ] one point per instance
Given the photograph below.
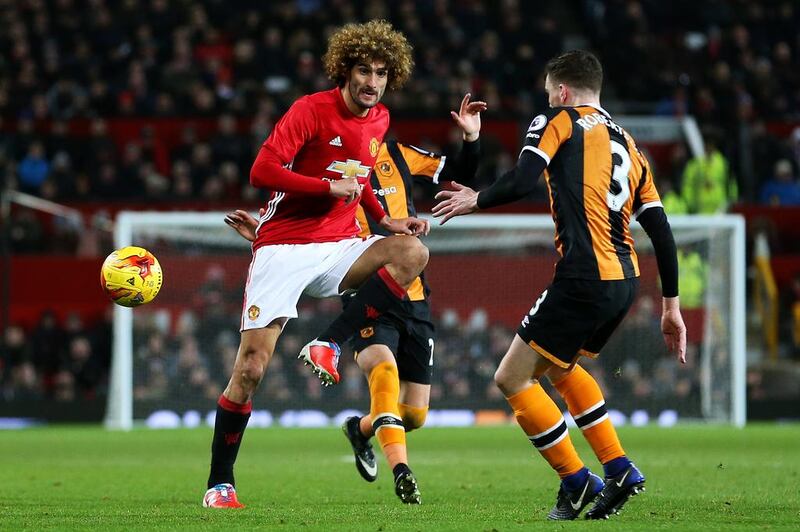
(620, 175)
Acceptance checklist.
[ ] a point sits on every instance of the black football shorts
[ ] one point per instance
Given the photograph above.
(409, 334)
(576, 317)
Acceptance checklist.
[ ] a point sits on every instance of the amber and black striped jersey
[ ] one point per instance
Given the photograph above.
(396, 169)
(597, 179)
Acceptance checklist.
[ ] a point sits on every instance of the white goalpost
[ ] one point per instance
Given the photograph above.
(172, 356)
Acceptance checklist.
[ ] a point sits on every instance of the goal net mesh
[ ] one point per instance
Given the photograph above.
(485, 273)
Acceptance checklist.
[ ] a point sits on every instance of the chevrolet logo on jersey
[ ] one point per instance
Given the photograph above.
(351, 168)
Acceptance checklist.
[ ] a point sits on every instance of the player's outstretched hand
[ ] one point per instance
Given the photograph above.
(406, 226)
(243, 223)
(673, 329)
(457, 202)
(468, 117)
(347, 188)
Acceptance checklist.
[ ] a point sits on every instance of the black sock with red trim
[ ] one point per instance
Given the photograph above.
(228, 431)
(377, 295)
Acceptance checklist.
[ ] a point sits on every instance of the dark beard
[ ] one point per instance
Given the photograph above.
(358, 102)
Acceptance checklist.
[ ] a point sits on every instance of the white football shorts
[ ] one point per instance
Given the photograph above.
(279, 274)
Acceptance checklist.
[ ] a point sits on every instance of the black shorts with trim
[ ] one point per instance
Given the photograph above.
(409, 334)
(576, 317)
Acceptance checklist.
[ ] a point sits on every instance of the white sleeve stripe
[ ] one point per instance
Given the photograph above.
(537, 151)
(420, 150)
(439, 169)
(647, 206)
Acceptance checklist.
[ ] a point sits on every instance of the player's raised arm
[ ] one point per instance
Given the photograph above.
(468, 117)
(464, 165)
(546, 133)
(512, 186)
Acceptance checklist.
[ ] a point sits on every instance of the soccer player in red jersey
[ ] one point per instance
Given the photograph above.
(315, 164)
(395, 351)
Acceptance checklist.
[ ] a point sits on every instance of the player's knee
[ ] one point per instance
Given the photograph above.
(411, 253)
(252, 368)
(413, 417)
(506, 381)
(556, 374)
(251, 374)
(418, 254)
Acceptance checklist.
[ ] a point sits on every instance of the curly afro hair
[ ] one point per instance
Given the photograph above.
(373, 40)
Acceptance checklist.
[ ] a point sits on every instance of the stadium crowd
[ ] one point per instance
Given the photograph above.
(182, 364)
(69, 68)
(59, 361)
(183, 360)
(732, 65)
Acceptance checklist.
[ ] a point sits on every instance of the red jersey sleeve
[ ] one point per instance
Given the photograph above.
(370, 203)
(271, 167)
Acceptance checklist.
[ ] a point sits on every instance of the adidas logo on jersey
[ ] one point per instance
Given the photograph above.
(336, 141)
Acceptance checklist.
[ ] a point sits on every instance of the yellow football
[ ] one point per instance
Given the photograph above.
(131, 276)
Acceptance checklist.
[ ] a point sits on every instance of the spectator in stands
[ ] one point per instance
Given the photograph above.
(671, 383)
(95, 238)
(25, 384)
(62, 177)
(14, 352)
(227, 145)
(47, 342)
(63, 387)
(783, 189)
(692, 281)
(25, 232)
(672, 200)
(181, 60)
(83, 366)
(107, 183)
(794, 317)
(794, 144)
(708, 186)
(33, 169)
(130, 169)
(156, 186)
(766, 149)
(182, 181)
(100, 149)
(151, 379)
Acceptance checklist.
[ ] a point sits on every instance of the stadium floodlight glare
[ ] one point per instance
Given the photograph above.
(713, 258)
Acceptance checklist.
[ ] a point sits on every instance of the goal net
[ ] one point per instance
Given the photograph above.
(173, 357)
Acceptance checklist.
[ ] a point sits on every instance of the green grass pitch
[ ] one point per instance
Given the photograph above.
(486, 478)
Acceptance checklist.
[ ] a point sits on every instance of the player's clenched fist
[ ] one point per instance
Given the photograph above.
(347, 188)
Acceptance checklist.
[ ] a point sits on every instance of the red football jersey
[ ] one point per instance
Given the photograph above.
(321, 139)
